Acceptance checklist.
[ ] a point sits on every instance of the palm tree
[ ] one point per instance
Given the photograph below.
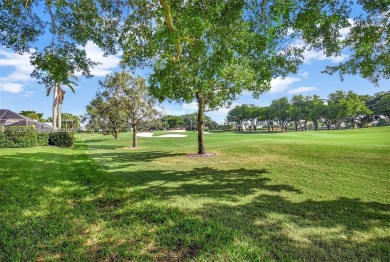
(58, 98)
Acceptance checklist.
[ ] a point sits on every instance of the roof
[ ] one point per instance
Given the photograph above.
(8, 114)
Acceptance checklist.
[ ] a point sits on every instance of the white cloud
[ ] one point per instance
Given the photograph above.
(191, 106)
(311, 55)
(11, 87)
(21, 70)
(302, 89)
(173, 112)
(221, 113)
(107, 63)
(279, 85)
(28, 93)
(305, 74)
(345, 31)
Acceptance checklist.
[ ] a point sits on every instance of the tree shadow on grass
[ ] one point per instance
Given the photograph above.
(77, 210)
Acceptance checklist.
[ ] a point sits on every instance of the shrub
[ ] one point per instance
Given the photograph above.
(21, 136)
(43, 139)
(4, 142)
(383, 122)
(61, 139)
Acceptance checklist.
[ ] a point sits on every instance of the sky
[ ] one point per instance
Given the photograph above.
(18, 91)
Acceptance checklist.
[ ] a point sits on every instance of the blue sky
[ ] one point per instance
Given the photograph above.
(18, 91)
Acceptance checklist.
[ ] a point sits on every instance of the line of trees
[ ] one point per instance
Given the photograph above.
(340, 107)
(187, 121)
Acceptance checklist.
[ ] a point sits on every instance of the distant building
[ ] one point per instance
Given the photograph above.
(10, 118)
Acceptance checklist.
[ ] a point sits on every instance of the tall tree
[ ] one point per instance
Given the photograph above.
(357, 108)
(299, 111)
(238, 115)
(134, 100)
(338, 107)
(106, 110)
(267, 116)
(211, 51)
(383, 106)
(317, 110)
(281, 108)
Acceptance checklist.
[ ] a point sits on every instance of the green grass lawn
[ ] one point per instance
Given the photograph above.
(315, 196)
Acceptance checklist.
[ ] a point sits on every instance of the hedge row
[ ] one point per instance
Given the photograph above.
(21, 136)
(26, 136)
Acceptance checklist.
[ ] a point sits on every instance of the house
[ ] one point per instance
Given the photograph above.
(10, 118)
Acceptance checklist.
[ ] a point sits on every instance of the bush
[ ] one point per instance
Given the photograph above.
(383, 122)
(21, 136)
(61, 139)
(43, 139)
(4, 142)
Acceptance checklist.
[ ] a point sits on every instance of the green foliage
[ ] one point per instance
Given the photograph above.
(33, 115)
(43, 138)
(172, 122)
(382, 106)
(281, 110)
(4, 142)
(61, 139)
(21, 136)
(383, 122)
(368, 39)
(69, 122)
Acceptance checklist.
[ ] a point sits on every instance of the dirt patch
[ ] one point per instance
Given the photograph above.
(201, 155)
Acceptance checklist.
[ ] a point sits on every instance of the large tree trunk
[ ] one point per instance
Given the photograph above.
(59, 116)
(55, 94)
(134, 136)
(201, 148)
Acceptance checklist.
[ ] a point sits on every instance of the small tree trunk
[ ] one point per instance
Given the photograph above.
(134, 136)
(201, 148)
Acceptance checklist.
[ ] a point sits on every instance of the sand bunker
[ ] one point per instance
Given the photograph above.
(145, 134)
(151, 135)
